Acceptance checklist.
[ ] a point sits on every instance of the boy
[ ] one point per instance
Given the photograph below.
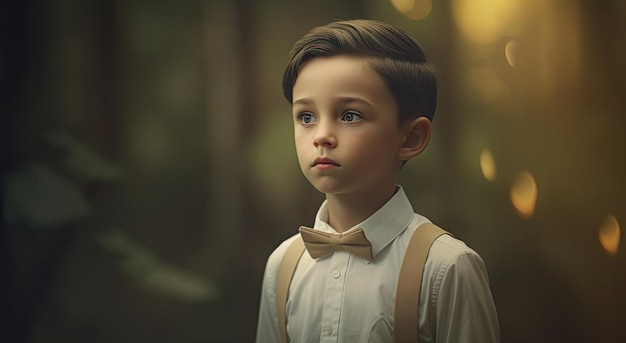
(363, 97)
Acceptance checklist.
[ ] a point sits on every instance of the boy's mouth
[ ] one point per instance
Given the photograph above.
(323, 162)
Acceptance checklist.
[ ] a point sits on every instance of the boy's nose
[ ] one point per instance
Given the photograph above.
(324, 136)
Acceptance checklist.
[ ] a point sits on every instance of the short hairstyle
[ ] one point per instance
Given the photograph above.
(389, 51)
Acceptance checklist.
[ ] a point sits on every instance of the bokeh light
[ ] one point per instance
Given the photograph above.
(485, 21)
(524, 194)
(487, 165)
(403, 6)
(413, 9)
(510, 51)
(609, 235)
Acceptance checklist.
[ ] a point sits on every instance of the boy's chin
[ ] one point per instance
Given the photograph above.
(329, 189)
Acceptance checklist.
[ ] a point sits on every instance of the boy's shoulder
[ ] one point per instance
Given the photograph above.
(275, 258)
(450, 257)
(448, 246)
(445, 247)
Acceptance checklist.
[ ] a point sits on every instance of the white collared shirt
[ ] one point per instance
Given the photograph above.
(344, 298)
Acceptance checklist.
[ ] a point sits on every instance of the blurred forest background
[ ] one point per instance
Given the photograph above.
(148, 168)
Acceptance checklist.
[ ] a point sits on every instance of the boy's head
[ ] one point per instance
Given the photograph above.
(389, 51)
(362, 99)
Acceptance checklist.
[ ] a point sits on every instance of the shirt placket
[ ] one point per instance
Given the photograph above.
(333, 299)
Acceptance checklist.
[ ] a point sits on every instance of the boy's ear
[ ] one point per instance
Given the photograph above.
(417, 136)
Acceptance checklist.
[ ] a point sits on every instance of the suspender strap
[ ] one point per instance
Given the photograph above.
(283, 280)
(410, 282)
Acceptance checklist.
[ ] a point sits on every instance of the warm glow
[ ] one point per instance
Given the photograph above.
(487, 165)
(413, 9)
(510, 51)
(524, 194)
(484, 85)
(403, 6)
(609, 235)
(484, 21)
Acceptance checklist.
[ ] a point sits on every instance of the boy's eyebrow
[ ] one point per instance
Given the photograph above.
(345, 100)
(304, 101)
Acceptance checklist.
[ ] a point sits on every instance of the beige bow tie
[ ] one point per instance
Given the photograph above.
(319, 243)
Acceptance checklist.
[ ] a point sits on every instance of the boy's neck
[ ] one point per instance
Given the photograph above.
(348, 210)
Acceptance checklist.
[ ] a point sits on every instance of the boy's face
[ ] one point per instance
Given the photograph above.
(346, 126)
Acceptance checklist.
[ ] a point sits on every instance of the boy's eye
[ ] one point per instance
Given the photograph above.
(351, 117)
(307, 118)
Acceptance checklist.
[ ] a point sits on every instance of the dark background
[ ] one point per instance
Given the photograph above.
(148, 168)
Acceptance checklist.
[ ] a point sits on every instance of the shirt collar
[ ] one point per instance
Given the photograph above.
(380, 228)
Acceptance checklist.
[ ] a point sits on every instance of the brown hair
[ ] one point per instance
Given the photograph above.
(390, 52)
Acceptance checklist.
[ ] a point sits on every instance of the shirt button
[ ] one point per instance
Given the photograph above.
(335, 274)
(327, 330)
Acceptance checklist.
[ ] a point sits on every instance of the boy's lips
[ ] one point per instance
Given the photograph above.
(322, 162)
